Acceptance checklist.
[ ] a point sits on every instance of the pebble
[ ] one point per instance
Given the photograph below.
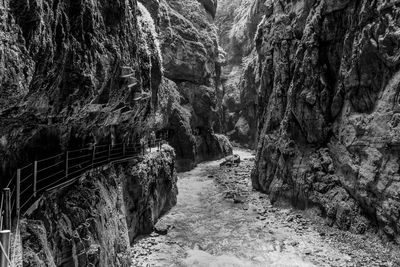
(161, 230)
(262, 218)
(238, 200)
(307, 252)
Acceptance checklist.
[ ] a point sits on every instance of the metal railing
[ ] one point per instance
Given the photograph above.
(40, 176)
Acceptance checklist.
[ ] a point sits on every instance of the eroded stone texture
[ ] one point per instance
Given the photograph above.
(149, 191)
(93, 221)
(70, 72)
(191, 61)
(328, 109)
(74, 73)
(237, 22)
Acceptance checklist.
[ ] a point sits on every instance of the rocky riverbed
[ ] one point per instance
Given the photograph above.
(220, 221)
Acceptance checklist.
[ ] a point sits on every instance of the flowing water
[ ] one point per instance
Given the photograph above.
(207, 229)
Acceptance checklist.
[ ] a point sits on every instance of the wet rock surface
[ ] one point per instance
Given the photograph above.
(237, 22)
(94, 221)
(191, 87)
(209, 227)
(93, 71)
(69, 73)
(329, 78)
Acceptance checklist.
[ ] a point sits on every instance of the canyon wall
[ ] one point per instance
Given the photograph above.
(74, 73)
(94, 221)
(70, 74)
(237, 22)
(191, 86)
(328, 109)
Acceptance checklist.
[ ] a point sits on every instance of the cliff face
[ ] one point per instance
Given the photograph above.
(70, 73)
(328, 131)
(237, 23)
(76, 72)
(93, 222)
(190, 90)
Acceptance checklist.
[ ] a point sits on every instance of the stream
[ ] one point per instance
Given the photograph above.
(220, 221)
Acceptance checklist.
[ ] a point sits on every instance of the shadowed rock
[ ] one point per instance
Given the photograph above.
(328, 111)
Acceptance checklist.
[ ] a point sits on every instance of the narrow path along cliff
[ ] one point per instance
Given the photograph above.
(220, 221)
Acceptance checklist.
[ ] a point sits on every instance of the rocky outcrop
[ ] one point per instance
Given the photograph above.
(210, 6)
(191, 62)
(83, 72)
(329, 79)
(93, 222)
(71, 73)
(149, 190)
(237, 22)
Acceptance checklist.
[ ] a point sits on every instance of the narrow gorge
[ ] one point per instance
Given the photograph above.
(200, 133)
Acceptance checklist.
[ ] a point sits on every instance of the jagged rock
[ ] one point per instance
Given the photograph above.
(327, 106)
(36, 249)
(238, 200)
(64, 85)
(230, 160)
(189, 42)
(60, 76)
(161, 231)
(210, 6)
(93, 222)
(237, 21)
(162, 228)
(190, 50)
(150, 190)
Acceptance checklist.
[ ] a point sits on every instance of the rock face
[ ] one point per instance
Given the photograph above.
(189, 92)
(92, 223)
(70, 73)
(328, 112)
(150, 190)
(237, 22)
(74, 73)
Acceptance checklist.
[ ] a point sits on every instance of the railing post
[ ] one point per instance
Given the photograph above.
(93, 155)
(5, 242)
(7, 210)
(66, 164)
(123, 150)
(18, 195)
(34, 177)
(109, 153)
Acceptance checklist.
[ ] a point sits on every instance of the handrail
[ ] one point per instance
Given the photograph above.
(31, 183)
(49, 167)
(52, 157)
(62, 167)
(26, 166)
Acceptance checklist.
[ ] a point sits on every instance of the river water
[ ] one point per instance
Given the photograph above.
(208, 229)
